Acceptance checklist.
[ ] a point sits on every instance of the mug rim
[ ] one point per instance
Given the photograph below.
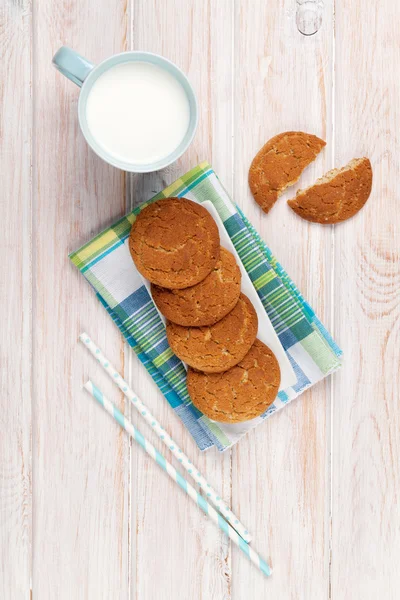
(160, 61)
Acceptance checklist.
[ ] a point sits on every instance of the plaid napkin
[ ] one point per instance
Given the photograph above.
(106, 263)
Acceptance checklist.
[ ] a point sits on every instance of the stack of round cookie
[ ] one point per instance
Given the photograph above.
(211, 325)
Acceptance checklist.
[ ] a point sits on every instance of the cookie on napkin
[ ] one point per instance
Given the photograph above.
(174, 243)
(242, 393)
(336, 196)
(204, 303)
(280, 163)
(217, 347)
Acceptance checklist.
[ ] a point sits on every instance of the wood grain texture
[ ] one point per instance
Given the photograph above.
(176, 551)
(283, 82)
(366, 425)
(80, 457)
(85, 514)
(15, 301)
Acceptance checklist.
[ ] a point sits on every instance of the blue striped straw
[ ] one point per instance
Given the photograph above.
(177, 477)
(212, 496)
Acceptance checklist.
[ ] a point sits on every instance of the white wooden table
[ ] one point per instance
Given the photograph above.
(83, 514)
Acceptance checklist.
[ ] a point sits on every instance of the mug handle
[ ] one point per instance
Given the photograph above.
(72, 65)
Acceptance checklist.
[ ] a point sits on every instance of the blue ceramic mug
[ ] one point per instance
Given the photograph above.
(82, 72)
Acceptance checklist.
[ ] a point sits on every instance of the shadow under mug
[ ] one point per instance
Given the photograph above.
(82, 72)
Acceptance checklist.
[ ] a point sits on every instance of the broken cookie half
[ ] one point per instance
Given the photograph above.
(280, 163)
(336, 196)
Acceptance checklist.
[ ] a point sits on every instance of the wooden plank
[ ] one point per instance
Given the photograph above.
(15, 300)
(366, 442)
(280, 471)
(174, 547)
(80, 457)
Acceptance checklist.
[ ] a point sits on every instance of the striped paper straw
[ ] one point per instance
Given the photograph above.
(177, 477)
(211, 494)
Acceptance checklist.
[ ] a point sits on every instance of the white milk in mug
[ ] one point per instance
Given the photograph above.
(138, 112)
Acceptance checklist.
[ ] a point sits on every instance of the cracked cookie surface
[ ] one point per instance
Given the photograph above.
(217, 347)
(242, 393)
(204, 303)
(280, 163)
(336, 196)
(174, 243)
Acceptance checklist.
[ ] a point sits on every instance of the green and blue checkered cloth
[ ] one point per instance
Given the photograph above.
(106, 263)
